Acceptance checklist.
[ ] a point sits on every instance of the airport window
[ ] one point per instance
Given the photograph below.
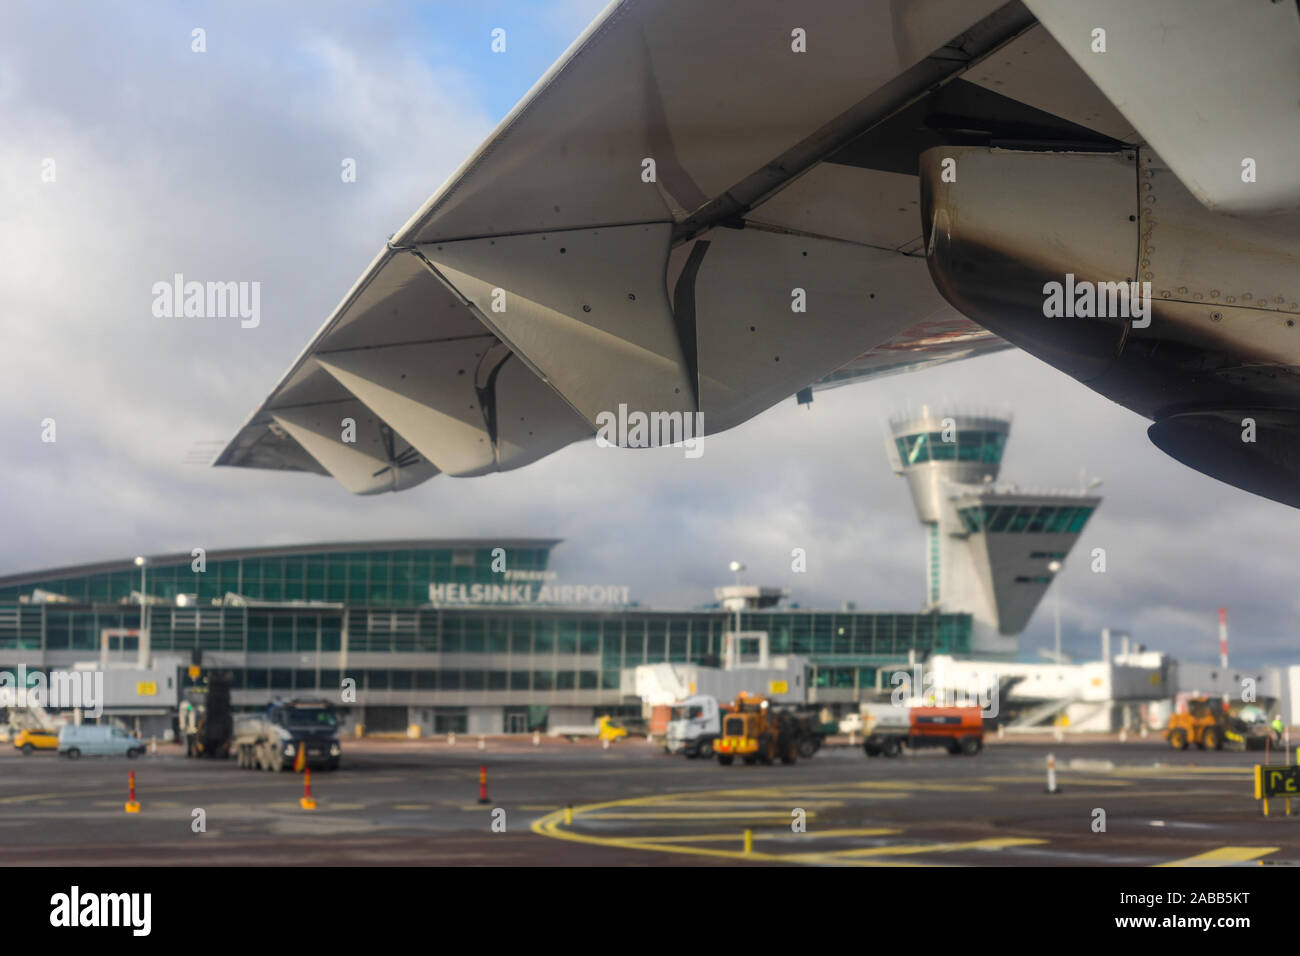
(282, 633)
(565, 680)
(1019, 520)
(258, 678)
(426, 680)
(566, 640)
(543, 635)
(450, 721)
(656, 643)
(401, 679)
(589, 638)
(498, 637)
(448, 680)
(473, 680)
(377, 680)
(610, 680)
(331, 680)
(611, 650)
(521, 635)
(331, 634)
(519, 680)
(543, 680)
(1037, 522)
(1078, 520)
(496, 680)
(451, 641)
(304, 680)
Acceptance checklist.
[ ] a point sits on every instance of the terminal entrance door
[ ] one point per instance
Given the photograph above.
(516, 720)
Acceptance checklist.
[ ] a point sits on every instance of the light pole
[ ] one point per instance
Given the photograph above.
(736, 568)
(1055, 568)
(143, 644)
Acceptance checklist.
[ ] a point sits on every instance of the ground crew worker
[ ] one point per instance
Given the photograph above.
(1277, 727)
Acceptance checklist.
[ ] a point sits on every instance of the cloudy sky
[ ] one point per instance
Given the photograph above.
(226, 164)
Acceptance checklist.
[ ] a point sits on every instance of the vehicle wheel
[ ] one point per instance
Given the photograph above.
(332, 765)
(725, 759)
(765, 748)
(691, 753)
(74, 753)
(871, 751)
(749, 761)
(134, 752)
(705, 749)
(891, 748)
(806, 747)
(788, 752)
(954, 748)
(27, 750)
(970, 746)
(1178, 739)
(1213, 739)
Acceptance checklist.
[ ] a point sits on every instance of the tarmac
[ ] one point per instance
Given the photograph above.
(409, 802)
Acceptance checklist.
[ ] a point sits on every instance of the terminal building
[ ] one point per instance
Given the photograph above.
(481, 636)
(297, 620)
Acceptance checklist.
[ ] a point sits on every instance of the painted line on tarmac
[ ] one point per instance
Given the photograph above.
(699, 815)
(913, 849)
(551, 826)
(1224, 856)
(720, 837)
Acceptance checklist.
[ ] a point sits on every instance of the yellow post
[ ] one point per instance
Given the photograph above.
(568, 816)
(749, 842)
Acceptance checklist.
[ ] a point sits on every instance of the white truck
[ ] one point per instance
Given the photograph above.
(695, 723)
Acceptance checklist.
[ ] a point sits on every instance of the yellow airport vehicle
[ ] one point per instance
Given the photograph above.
(28, 740)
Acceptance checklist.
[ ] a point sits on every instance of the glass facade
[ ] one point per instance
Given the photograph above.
(394, 577)
(982, 446)
(395, 648)
(1025, 519)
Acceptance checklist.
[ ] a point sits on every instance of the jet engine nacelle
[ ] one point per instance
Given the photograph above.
(1103, 265)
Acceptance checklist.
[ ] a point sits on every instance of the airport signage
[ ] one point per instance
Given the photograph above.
(526, 594)
(1277, 782)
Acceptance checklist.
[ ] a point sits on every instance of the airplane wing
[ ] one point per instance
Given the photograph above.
(701, 208)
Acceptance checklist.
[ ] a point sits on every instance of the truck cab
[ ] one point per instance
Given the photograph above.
(694, 725)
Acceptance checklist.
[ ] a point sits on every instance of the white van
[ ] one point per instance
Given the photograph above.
(98, 740)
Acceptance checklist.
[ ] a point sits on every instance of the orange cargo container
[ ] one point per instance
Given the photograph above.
(659, 717)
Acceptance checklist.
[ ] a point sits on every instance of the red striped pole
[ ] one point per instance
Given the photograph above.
(307, 802)
(482, 785)
(132, 805)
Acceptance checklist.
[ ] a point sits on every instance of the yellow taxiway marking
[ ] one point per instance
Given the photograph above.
(904, 849)
(660, 807)
(724, 837)
(699, 815)
(550, 826)
(413, 806)
(1224, 856)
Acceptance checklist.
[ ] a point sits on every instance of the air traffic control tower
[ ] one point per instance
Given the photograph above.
(991, 550)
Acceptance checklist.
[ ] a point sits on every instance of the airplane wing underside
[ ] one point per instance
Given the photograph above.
(700, 208)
